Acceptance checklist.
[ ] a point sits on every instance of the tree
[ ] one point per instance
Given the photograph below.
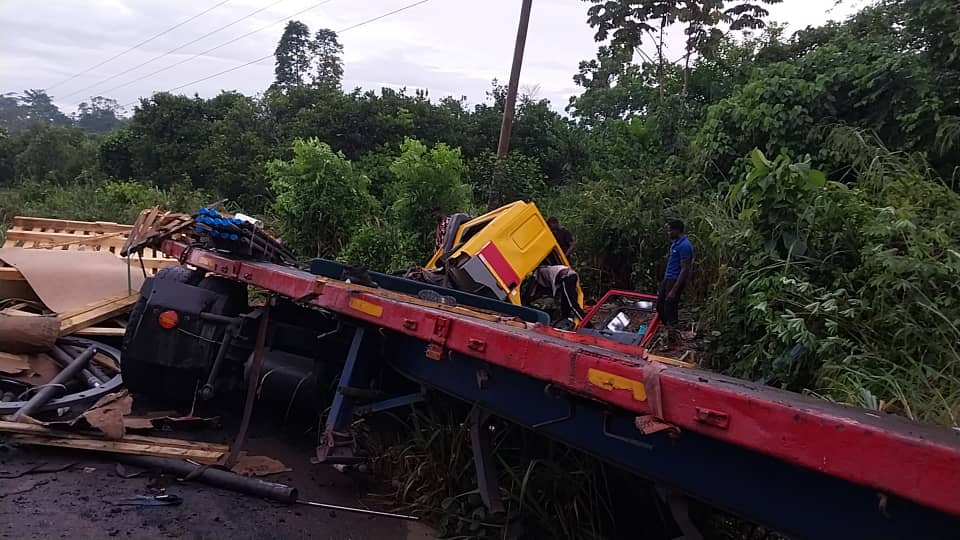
(11, 114)
(327, 50)
(498, 181)
(632, 22)
(320, 199)
(56, 154)
(39, 108)
(100, 115)
(428, 179)
(294, 56)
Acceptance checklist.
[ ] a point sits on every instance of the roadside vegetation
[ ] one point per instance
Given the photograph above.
(817, 173)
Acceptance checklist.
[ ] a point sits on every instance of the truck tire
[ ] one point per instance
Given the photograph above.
(137, 375)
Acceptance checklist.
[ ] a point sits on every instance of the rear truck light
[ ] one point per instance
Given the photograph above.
(168, 319)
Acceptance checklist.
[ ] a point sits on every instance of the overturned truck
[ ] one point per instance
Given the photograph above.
(806, 467)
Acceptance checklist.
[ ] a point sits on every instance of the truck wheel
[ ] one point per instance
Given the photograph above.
(138, 375)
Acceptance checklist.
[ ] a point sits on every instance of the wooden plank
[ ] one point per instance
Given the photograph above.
(122, 447)
(8, 273)
(79, 240)
(24, 222)
(38, 430)
(100, 332)
(91, 315)
(49, 239)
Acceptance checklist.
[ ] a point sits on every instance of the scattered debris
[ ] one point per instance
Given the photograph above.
(14, 364)
(141, 445)
(247, 465)
(215, 477)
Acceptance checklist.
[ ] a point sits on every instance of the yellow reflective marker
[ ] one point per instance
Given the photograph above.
(610, 381)
(366, 307)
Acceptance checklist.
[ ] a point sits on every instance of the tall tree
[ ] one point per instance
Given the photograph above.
(100, 115)
(39, 108)
(634, 22)
(327, 49)
(294, 56)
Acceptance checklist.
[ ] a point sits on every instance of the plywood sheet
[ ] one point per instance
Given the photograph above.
(69, 280)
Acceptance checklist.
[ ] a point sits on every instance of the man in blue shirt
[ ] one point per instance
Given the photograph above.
(675, 279)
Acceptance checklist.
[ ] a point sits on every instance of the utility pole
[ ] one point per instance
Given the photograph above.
(507, 125)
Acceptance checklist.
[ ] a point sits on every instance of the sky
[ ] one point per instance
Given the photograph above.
(450, 47)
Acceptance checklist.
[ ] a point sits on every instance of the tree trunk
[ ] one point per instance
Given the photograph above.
(28, 334)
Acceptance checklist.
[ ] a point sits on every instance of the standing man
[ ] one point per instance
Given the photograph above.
(441, 220)
(564, 237)
(679, 267)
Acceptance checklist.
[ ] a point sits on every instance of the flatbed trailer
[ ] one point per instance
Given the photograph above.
(806, 467)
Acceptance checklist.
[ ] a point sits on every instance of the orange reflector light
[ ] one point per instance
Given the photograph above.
(168, 319)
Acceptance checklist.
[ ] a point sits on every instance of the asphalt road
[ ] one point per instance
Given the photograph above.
(75, 503)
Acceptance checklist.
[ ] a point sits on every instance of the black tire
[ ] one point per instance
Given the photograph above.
(139, 375)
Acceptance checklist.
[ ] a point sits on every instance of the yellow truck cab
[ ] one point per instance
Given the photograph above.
(498, 250)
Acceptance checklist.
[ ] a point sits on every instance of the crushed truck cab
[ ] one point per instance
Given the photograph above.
(496, 252)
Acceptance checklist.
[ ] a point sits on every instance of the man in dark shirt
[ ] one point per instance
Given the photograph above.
(675, 279)
(563, 236)
(441, 230)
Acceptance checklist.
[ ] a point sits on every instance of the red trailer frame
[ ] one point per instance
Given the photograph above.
(651, 328)
(891, 454)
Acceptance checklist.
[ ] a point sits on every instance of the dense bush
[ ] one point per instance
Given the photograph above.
(848, 292)
(319, 199)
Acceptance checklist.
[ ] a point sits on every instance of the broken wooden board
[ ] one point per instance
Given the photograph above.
(90, 315)
(14, 364)
(140, 445)
(70, 235)
(96, 331)
(153, 224)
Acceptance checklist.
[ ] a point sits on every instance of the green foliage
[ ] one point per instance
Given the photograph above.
(864, 280)
(427, 180)
(53, 154)
(319, 199)
(100, 115)
(859, 74)
(91, 200)
(381, 246)
(498, 181)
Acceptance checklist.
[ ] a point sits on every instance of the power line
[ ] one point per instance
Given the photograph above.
(262, 58)
(394, 12)
(142, 43)
(210, 50)
(171, 51)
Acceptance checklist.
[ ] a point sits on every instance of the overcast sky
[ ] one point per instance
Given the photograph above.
(451, 47)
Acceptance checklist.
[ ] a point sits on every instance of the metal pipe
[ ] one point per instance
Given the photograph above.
(56, 385)
(92, 367)
(215, 477)
(209, 389)
(359, 510)
(64, 359)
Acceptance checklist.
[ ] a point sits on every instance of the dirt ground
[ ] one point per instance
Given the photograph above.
(75, 503)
